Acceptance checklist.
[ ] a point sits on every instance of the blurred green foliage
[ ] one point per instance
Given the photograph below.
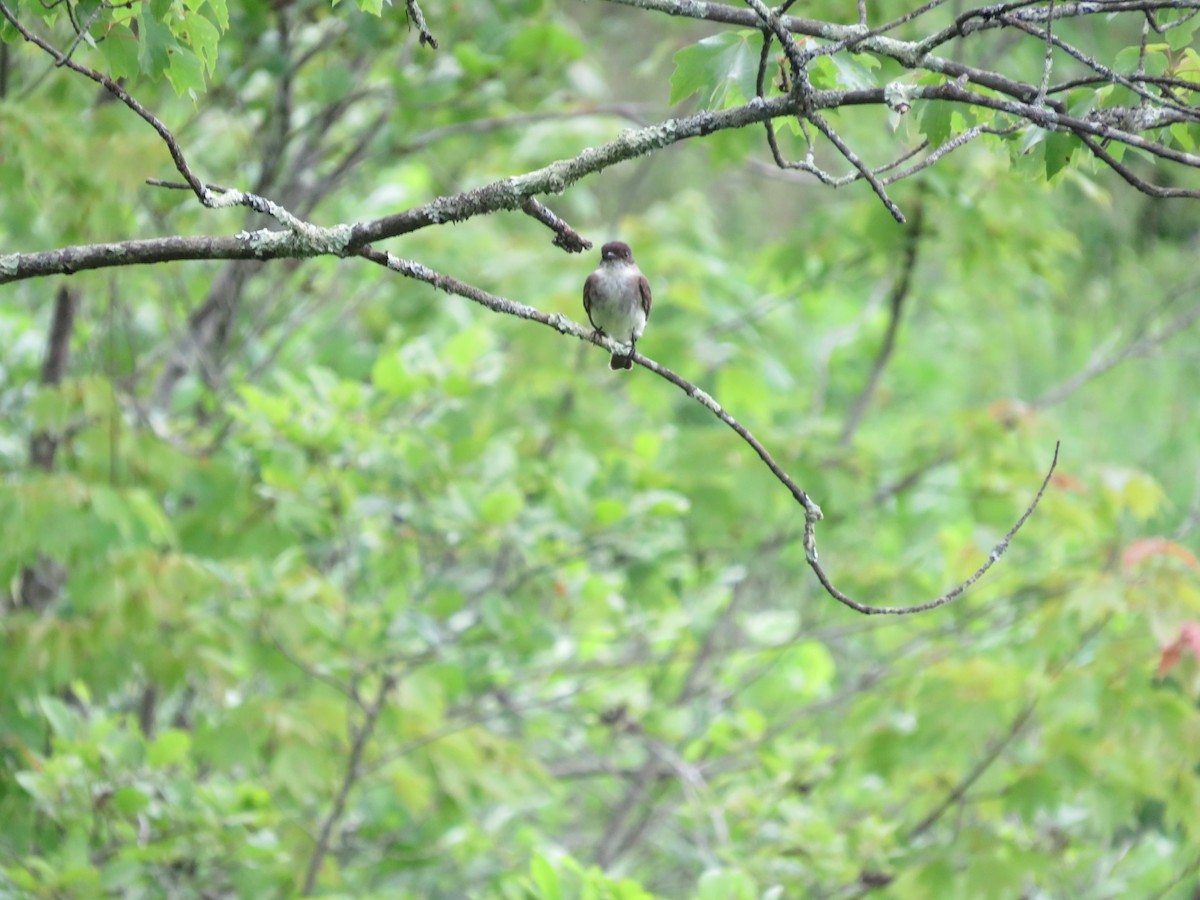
(378, 594)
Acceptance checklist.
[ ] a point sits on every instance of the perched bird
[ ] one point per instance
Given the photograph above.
(616, 298)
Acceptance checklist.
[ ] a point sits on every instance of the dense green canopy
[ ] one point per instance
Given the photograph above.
(315, 579)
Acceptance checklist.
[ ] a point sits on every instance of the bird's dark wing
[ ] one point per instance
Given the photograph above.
(589, 288)
(644, 288)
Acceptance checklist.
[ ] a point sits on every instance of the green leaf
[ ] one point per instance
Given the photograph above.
(721, 69)
(936, 119)
(1060, 147)
(545, 878)
(391, 376)
(726, 884)
(186, 72)
(121, 49)
(169, 748)
(220, 9)
(1185, 135)
(203, 37)
(545, 41)
(501, 506)
(63, 720)
(854, 72)
(156, 42)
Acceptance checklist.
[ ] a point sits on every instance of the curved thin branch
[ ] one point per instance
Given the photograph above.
(812, 512)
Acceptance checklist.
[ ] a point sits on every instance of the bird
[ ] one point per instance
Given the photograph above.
(616, 298)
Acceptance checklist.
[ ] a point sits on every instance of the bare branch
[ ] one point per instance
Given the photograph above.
(896, 308)
(1142, 341)
(990, 755)
(1126, 173)
(866, 173)
(362, 735)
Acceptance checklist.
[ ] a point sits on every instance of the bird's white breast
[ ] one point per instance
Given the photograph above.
(618, 311)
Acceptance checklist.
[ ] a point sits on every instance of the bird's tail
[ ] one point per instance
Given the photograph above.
(620, 362)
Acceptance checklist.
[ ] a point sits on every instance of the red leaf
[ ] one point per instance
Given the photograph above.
(1145, 548)
(1189, 639)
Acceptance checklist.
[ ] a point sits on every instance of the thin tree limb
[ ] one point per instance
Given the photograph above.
(896, 309)
(812, 512)
(350, 776)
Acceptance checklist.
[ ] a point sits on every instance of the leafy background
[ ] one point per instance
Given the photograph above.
(382, 595)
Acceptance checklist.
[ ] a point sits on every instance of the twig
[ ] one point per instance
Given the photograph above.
(802, 91)
(308, 241)
(771, 25)
(959, 140)
(206, 197)
(998, 746)
(896, 306)
(1141, 342)
(1053, 117)
(852, 157)
(416, 18)
(1126, 173)
(998, 551)
(1048, 64)
(975, 773)
(1188, 113)
(565, 236)
(362, 735)
(346, 690)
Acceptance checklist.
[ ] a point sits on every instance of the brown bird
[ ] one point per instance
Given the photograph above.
(616, 298)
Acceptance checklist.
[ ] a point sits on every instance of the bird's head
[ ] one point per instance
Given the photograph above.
(616, 252)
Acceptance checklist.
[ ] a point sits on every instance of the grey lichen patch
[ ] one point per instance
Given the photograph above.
(665, 134)
(410, 268)
(562, 324)
(224, 200)
(434, 213)
(268, 244)
(706, 400)
(304, 241)
(333, 241)
(10, 264)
